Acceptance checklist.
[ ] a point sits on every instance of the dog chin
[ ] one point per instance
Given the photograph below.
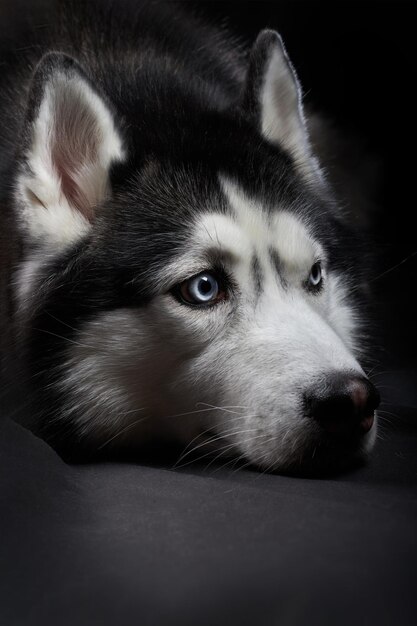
(320, 456)
(323, 458)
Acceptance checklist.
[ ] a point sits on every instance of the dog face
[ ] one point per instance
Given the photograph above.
(199, 284)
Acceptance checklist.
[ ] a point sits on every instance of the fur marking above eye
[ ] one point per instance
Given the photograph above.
(257, 275)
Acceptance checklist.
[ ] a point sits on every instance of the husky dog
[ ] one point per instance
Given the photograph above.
(185, 272)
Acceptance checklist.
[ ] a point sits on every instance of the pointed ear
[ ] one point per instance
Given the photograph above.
(70, 144)
(273, 98)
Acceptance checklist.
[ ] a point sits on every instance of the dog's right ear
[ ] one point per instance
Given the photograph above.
(70, 143)
(272, 98)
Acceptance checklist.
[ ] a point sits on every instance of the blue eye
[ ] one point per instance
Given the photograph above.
(315, 278)
(201, 289)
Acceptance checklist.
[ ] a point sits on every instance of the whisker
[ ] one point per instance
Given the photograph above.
(77, 343)
(210, 407)
(261, 435)
(241, 467)
(371, 371)
(123, 430)
(234, 461)
(394, 267)
(226, 408)
(224, 450)
(383, 373)
(62, 322)
(386, 412)
(203, 456)
(212, 440)
(207, 442)
(234, 419)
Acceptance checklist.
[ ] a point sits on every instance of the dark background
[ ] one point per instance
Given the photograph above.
(356, 63)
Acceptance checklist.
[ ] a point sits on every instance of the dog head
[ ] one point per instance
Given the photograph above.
(186, 271)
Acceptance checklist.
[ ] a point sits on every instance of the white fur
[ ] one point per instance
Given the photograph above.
(121, 375)
(26, 277)
(282, 116)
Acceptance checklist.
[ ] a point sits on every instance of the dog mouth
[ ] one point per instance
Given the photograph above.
(322, 443)
(327, 458)
(322, 456)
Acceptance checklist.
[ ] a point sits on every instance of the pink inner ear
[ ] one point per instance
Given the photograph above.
(75, 151)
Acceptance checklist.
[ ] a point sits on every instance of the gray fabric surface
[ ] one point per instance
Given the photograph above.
(131, 543)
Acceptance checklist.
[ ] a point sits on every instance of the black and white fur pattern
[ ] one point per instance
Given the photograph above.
(148, 154)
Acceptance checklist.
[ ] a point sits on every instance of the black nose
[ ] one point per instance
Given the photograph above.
(344, 404)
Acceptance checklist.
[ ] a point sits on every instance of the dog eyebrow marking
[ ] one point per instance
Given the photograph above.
(257, 274)
(277, 265)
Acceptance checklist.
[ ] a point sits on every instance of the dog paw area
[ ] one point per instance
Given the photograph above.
(208, 384)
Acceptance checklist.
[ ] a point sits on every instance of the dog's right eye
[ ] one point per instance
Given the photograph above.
(203, 289)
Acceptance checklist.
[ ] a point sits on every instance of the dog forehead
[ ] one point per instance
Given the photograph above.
(249, 228)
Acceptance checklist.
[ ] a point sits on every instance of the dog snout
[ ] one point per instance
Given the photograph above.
(345, 405)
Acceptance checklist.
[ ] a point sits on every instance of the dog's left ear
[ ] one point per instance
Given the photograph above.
(70, 143)
(273, 99)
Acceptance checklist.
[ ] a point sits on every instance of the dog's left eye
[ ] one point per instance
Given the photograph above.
(315, 278)
(202, 289)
